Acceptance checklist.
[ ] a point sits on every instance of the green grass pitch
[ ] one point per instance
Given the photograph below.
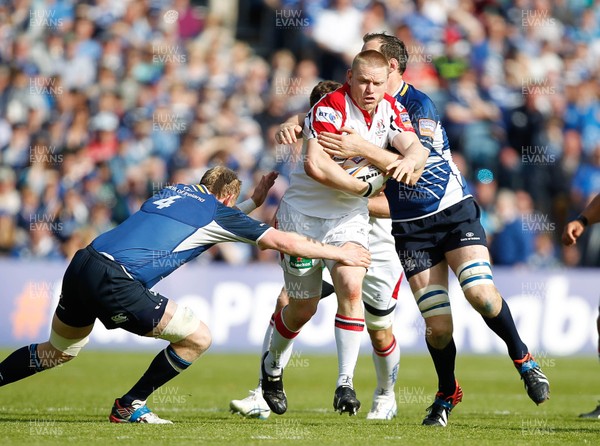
(70, 405)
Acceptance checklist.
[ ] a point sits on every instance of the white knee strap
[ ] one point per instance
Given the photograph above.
(433, 300)
(374, 322)
(183, 323)
(474, 272)
(70, 347)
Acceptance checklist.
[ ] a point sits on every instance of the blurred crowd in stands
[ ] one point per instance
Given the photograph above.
(103, 103)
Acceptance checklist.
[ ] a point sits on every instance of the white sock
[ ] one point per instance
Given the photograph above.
(280, 350)
(265, 345)
(387, 363)
(348, 334)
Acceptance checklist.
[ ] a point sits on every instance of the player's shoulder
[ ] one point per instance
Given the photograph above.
(419, 99)
(330, 109)
(335, 98)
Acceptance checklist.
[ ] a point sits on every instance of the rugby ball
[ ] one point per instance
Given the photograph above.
(362, 169)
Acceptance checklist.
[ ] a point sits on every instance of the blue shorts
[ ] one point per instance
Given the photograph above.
(96, 287)
(422, 244)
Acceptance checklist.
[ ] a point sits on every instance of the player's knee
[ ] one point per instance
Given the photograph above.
(302, 314)
(351, 292)
(439, 335)
(200, 340)
(381, 339)
(184, 324)
(59, 350)
(485, 299)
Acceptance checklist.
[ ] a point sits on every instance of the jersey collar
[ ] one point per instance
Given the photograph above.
(202, 188)
(401, 90)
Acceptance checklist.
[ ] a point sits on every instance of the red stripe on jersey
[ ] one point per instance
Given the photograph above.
(397, 287)
(282, 329)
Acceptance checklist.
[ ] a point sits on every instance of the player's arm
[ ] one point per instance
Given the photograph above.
(320, 167)
(413, 159)
(259, 195)
(290, 130)
(350, 144)
(407, 167)
(294, 244)
(589, 216)
(379, 206)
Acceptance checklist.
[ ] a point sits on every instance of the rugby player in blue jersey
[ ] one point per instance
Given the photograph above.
(111, 280)
(436, 224)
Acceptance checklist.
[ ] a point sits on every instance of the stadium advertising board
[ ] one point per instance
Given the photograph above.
(555, 311)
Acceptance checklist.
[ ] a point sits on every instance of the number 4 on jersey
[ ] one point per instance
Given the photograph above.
(166, 202)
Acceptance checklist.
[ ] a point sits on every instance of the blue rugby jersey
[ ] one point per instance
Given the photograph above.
(173, 227)
(441, 185)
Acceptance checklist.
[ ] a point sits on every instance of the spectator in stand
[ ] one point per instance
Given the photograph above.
(512, 243)
(102, 58)
(471, 119)
(337, 32)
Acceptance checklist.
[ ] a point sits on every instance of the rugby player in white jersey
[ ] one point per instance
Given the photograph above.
(325, 201)
(380, 292)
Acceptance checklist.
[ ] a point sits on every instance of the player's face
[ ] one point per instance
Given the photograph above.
(367, 85)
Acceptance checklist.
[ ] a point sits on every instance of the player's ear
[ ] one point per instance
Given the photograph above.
(349, 75)
(393, 64)
(229, 200)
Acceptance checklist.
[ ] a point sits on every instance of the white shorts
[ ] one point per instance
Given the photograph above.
(382, 281)
(303, 276)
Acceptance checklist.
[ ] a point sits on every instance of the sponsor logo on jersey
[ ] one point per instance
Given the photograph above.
(427, 127)
(119, 318)
(300, 262)
(404, 117)
(328, 114)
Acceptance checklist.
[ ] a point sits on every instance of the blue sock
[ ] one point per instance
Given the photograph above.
(444, 361)
(165, 366)
(20, 364)
(504, 326)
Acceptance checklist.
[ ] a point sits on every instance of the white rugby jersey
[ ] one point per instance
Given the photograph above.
(334, 111)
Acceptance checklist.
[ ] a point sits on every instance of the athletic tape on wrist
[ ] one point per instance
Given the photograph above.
(246, 206)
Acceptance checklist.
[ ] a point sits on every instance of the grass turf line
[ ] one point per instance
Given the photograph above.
(70, 405)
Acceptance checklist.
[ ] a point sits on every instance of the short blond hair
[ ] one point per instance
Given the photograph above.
(370, 58)
(221, 181)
